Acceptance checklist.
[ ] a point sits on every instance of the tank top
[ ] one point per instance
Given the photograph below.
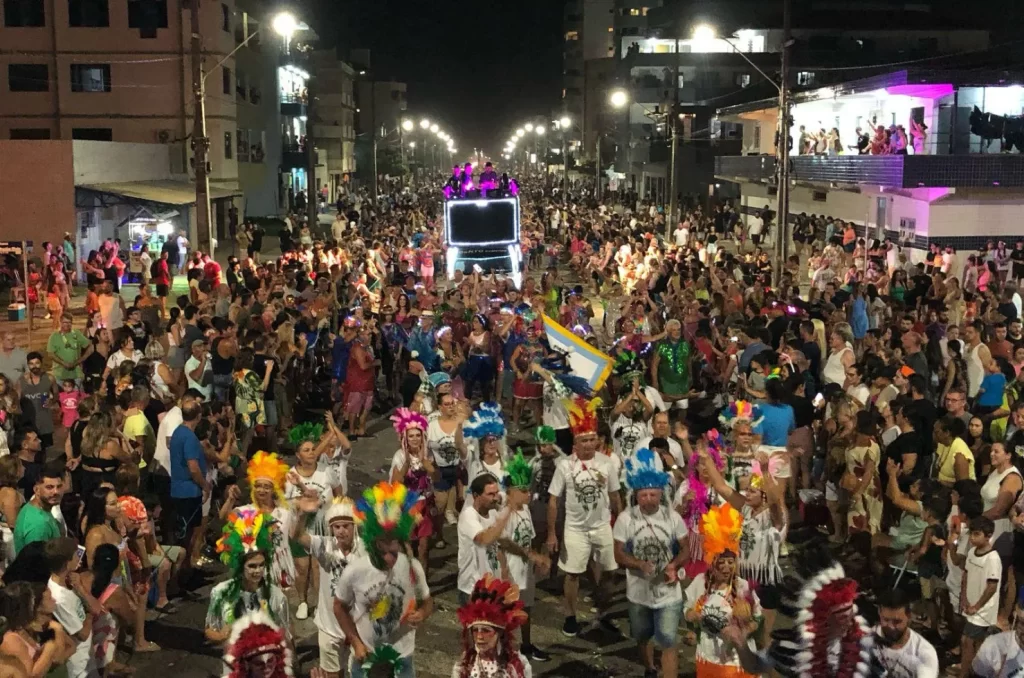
(975, 372)
(989, 494)
(160, 387)
(835, 372)
(218, 364)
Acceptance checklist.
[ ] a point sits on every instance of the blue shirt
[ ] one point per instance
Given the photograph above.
(993, 386)
(774, 428)
(185, 446)
(748, 354)
(514, 339)
(339, 358)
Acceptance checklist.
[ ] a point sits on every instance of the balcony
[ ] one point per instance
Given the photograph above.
(293, 105)
(900, 171)
(295, 157)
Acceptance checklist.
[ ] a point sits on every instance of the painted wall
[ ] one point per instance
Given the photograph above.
(103, 162)
(37, 190)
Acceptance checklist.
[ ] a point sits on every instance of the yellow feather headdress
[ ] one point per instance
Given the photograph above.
(721, 527)
(267, 466)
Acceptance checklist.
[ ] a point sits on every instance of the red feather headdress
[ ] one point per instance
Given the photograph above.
(493, 602)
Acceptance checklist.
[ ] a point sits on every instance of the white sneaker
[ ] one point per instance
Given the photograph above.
(302, 612)
(450, 518)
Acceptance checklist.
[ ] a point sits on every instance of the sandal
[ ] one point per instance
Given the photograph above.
(150, 646)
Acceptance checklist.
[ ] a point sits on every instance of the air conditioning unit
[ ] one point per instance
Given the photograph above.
(163, 136)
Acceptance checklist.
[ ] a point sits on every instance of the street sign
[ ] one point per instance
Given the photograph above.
(14, 247)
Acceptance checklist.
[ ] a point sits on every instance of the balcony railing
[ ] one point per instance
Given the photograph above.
(902, 171)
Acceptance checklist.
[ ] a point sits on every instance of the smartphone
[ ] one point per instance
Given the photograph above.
(80, 553)
(734, 338)
(476, 267)
(819, 400)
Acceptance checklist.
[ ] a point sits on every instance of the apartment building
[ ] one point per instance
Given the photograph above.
(334, 129)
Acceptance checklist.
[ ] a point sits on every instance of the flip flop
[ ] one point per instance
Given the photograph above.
(166, 609)
(150, 646)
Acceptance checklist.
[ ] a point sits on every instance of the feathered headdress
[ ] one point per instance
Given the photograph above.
(545, 435)
(256, 635)
(494, 602)
(268, 466)
(583, 415)
(740, 410)
(405, 419)
(485, 422)
(827, 632)
(721, 528)
(438, 379)
(247, 530)
(386, 509)
(629, 367)
(385, 659)
(642, 473)
(561, 370)
(518, 472)
(306, 432)
(341, 507)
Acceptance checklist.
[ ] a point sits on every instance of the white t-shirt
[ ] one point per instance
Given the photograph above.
(627, 434)
(589, 485)
(332, 563)
(555, 415)
(475, 560)
(118, 357)
(1000, 656)
(979, 570)
(162, 457)
(916, 659)
(323, 481)
(653, 538)
(519, 529)
(380, 600)
(682, 236)
(655, 399)
(70, 612)
(442, 445)
(191, 365)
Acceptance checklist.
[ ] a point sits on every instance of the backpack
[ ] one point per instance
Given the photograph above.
(154, 268)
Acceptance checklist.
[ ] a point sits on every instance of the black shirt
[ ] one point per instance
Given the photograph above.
(812, 352)
(259, 366)
(910, 442)
(926, 414)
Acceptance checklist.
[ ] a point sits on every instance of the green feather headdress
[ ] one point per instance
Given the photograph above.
(384, 661)
(308, 431)
(518, 472)
(247, 530)
(386, 509)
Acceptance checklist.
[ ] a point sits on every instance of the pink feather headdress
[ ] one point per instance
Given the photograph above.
(405, 419)
(698, 507)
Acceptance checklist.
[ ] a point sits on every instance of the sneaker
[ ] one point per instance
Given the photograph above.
(535, 653)
(608, 626)
(450, 518)
(571, 627)
(302, 612)
(440, 544)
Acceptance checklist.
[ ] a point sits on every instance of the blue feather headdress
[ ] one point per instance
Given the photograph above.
(486, 422)
(559, 367)
(439, 379)
(642, 474)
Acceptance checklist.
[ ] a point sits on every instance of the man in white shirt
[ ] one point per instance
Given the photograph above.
(682, 234)
(338, 227)
(650, 542)
(1002, 655)
(591, 489)
(480, 528)
(69, 611)
(901, 650)
(660, 428)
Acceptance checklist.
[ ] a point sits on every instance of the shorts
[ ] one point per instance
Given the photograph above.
(333, 652)
(975, 632)
(850, 247)
(358, 402)
(660, 624)
(449, 478)
(931, 586)
(162, 290)
(188, 514)
(579, 546)
(172, 553)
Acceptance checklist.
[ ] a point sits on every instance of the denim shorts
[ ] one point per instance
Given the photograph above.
(660, 624)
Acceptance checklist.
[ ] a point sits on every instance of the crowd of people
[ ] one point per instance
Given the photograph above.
(843, 438)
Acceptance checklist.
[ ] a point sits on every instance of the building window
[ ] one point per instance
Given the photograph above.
(147, 15)
(90, 77)
(805, 78)
(226, 76)
(243, 144)
(227, 146)
(634, 12)
(225, 17)
(92, 133)
(33, 133)
(643, 11)
(743, 79)
(572, 35)
(241, 89)
(88, 14)
(24, 14)
(28, 78)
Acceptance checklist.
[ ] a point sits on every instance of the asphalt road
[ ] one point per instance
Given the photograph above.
(596, 653)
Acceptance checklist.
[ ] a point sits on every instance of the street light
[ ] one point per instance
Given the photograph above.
(618, 98)
(565, 121)
(285, 25)
(434, 128)
(539, 129)
(412, 144)
(424, 123)
(520, 132)
(529, 126)
(704, 33)
(408, 125)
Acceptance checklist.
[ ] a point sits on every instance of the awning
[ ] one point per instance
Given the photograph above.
(167, 192)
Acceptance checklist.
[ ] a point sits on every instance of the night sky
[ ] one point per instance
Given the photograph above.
(478, 68)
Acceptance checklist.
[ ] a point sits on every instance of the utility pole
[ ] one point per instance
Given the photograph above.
(373, 126)
(597, 168)
(673, 119)
(782, 244)
(565, 171)
(200, 141)
(312, 187)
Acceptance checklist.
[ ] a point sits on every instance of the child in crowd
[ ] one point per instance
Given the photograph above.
(70, 395)
(979, 592)
(990, 395)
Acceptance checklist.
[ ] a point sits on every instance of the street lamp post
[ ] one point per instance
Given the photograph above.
(782, 131)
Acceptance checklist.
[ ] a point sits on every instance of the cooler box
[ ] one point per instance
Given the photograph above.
(16, 312)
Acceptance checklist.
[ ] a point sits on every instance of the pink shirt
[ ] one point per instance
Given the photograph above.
(69, 406)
